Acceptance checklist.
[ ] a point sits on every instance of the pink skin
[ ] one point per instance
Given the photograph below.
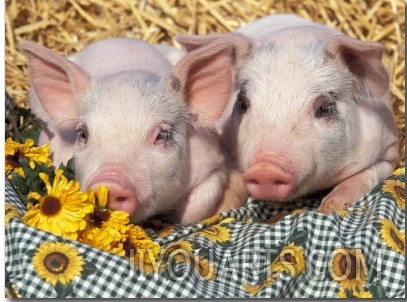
(122, 194)
(266, 179)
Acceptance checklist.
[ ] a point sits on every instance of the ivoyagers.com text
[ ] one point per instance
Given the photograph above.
(250, 266)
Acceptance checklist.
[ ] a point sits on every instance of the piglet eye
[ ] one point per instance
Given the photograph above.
(325, 110)
(325, 107)
(161, 135)
(82, 133)
(242, 102)
(164, 135)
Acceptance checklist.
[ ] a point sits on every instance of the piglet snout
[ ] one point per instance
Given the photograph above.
(267, 180)
(121, 192)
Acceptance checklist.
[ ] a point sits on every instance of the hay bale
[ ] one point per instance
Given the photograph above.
(67, 26)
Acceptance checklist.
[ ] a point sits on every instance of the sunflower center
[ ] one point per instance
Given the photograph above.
(129, 248)
(99, 216)
(14, 160)
(343, 266)
(56, 262)
(290, 258)
(397, 240)
(400, 191)
(51, 205)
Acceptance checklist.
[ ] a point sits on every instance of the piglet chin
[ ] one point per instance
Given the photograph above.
(122, 194)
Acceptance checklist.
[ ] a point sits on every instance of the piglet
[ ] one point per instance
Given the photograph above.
(138, 125)
(312, 111)
(122, 57)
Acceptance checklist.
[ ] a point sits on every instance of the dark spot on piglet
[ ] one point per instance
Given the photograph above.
(330, 55)
(175, 84)
(233, 56)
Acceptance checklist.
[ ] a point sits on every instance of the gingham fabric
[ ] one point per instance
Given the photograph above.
(231, 255)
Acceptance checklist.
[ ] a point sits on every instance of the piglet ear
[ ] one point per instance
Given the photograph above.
(363, 58)
(56, 81)
(192, 42)
(242, 44)
(206, 76)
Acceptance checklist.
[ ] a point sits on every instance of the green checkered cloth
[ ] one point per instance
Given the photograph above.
(259, 250)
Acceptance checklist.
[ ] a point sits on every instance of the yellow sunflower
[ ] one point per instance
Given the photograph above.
(399, 171)
(62, 209)
(106, 229)
(394, 239)
(298, 212)
(205, 268)
(11, 212)
(144, 253)
(115, 223)
(213, 219)
(14, 151)
(254, 289)
(57, 262)
(217, 233)
(98, 238)
(362, 294)
(348, 267)
(290, 260)
(397, 189)
(178, 250)
(139, 245)
(342, 212)
(343, 294)
(165, 231)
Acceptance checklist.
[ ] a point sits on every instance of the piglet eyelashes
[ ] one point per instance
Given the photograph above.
(242, 102)
(164, 135)
(82, 134)
(326, 110)
(325, 106)
(161, 135)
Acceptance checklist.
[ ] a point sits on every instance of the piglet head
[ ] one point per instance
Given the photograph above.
(131, 128)
(301, 119)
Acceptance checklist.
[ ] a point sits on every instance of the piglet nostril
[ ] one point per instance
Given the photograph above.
(121, 198)
(267, 180)
(252, 182)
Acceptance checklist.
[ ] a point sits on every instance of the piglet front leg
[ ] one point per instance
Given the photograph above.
(235, 194)
(353, 188)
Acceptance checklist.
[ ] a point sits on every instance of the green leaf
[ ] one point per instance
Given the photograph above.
(20, 186)
(88, 269)
(63, 290)
(299, 237)
(377, 291)
(377, 225)
(196, 245)
(22, 124)
(31, 253)
(68, 169)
